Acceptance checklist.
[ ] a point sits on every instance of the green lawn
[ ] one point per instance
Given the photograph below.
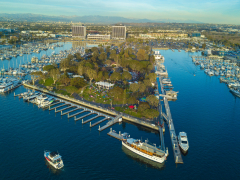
(48, 82)
(63, 92)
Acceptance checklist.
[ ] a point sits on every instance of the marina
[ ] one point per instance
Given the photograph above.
(185, 112)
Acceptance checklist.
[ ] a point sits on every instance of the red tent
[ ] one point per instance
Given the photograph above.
(131, 107)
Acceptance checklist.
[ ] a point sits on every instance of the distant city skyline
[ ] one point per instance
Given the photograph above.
(212, 11)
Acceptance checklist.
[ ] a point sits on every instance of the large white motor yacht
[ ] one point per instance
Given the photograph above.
(183, 141)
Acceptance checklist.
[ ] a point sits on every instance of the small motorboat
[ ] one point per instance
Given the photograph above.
(54, 159)
(183, 141)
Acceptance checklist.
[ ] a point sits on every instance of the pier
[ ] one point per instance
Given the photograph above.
(110, 123)
(169, 120)
(96, 123)
(88, 114)
(69, 111)
(76, 113)
(84, 122)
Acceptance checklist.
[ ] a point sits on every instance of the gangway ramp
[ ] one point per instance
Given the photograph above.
(110, 123)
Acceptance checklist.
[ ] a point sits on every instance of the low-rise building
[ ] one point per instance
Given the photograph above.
(98, 36)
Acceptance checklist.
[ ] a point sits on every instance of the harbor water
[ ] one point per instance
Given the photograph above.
(205, 110)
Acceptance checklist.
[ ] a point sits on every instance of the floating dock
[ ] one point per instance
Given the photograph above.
(113, 133)
(96, 123)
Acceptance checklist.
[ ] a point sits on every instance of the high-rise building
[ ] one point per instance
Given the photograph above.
(79, 31)
(119, 32)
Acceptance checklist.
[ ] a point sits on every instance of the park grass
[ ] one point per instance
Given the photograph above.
(129, 111)
(48, 82)
(63, 92)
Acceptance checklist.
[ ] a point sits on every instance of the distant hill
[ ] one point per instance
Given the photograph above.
(84, 19)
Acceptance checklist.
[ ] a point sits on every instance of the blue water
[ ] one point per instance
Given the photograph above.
(205, 109)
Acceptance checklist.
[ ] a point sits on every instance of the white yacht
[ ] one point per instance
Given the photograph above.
(8, 84)
(54, 159)
(183, 141)
(144, 149)
(46, 102)
(234, 84)
(41, 98)
(210, 73)
(235, 91)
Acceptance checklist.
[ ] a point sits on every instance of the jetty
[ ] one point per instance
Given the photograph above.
(168, 118)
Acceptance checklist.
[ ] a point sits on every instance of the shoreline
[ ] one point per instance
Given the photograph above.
(100, 109)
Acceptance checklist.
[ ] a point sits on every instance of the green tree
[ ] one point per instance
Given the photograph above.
(126, 75)
(142, 87)
(152, 100)
(132, 100)
(105, 75)
(141, 54)
(48, 68)
(134, 87)
(124, 96)
(143, 106)
(116, 92)
(44, 77)
(65, 64)
(80, 70)
(115, 76)
(94, 49)
(150, 113)
(92, 74)
(147, 82)
(152, 59)
(117, 59)
(103, 56)
(71, 89)
(152, 77)
(78, 82)
(64, 79)
(100, 76)
(55, 74)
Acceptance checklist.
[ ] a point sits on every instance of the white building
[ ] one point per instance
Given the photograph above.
(98, 36)
(34, 32)
(105, 85)
(42, 35)
(118, 32)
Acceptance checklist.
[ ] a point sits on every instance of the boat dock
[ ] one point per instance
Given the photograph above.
(110, 123)
(168, 118)
(76, 108)
(96, 123)
(112, 133)
(14, 87)
(83, 105)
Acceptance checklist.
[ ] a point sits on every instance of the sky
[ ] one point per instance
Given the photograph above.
(206, 11)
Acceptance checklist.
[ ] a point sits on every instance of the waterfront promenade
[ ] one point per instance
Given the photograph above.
(94, 107)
